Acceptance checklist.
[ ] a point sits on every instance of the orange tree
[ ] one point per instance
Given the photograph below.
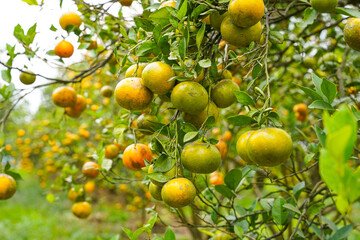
(241, 116)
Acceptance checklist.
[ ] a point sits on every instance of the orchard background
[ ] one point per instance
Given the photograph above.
(188, 119)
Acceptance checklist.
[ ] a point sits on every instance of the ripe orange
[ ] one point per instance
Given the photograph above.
(269, 147)
(189, 97)
(107, 91)
(69, 18)
(241, 146)
(301, 112)
(64, 97)
(91, 169)
(226, 136)
(131, 94)
(198, 119)
(216, 178)
(64, 49)
(130, 72)
(222, 147)
(324, 6)
(168, 4)
(7, 186)
(246, 13)
(352, 33)
(156, 77)
(79, 107)
(155, 191)
(20, 132)
(126, 3)
(73, 194)
(144, 123)
(111, 151)
(199, 157)
(27, 77)
(178, 192)
(240, 37)
(81, 209)
(135, 155)
(223, 93)
(89, 187)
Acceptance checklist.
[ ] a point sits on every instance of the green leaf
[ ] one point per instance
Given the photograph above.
(321, 135)
(241, 120)
(311, 93)
(169, 234)
(160, 16)
(15, 175)
(276, 37)
(309, 17)
(298, 188)
(150, 224)
(163, 163)
(342, 233)
(308, 157)
(256, 71)
(275, 119)
(328, 89)
(348, 12)
(315, 208)
(233, 178)
(144, 24)
(182, 48)
(205, 63)
(31, 2)
(200, 35)
(182, 11)
(6, 75)
(83, 45)
(225, 191)
(190, 136)
(137, 233)
(159, 177)
(320, 104)
(280, 213)
(292, 208)
(318, 82)
(52, 28)
(128, 232)
(267, 203)
(244, 98)
(146, 48)
(198, 10)
(106, 164)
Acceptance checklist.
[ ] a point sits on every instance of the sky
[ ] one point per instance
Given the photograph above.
(18, 12)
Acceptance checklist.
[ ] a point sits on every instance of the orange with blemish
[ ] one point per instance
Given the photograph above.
(64, 96)
(76, 110)
(134, 155)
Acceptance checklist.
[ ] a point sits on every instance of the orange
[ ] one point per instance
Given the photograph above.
(227, 136)
(70, 18)
(198, 119)
(27, 77)
(145, 125)
(199, 157)
(73, 194)
(64, 97)
(89, 187)
(178, 192)
(240, 37)
(81, 209)
(352, 33)
(79, 107)
(91, 169)
(21, 132)
(131, 94)
(223, 93)
(126, 3)
(168, 4)
(156, 77)
(155, 191)
(130, 72)
(8, 147)
(222, 147)
(236, 80)
(107, 91)
(269, 147)
(64, 49)
(216, 178)
(301, 112)
(189, 97)
(216, 19)
(135, 155)
(111, 151)
(324, 6)
(7, 186)
(246, 13)
(241, 146)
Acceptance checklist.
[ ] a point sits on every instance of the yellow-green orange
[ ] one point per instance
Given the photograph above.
(81, 209)
(7, 186)
(144, 123)
(246, 13)
(198, 119)
(27, 77)
(189, 97)
(352, 33)
(107, 91)
(130, 72)
(216, 19)
(223, 93)
(324, 6)
(155, 191)
(241, 146)
(156, 77)
(178, 192)
(199, 157)
(240, 37)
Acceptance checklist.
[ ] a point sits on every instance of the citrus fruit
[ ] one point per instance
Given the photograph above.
(27, 77)
(64, 49)
(241, 146)
(79, 107)
(352, 33)
(73, 194)
(81, 209)
(7, 186)
(216, 178)
(216, 19)
(156, 77)
(168, 4)
(91, 169)
(155, 191)
(310, 62)
(20, 132)
(126, 3)
(130, 72)
(135, 155)
(301, 112)
(145, 125)
(222, 147)
(198, 119)
(269, 147)
(223, 236)
(199, 157)
(64, 97)
(89, 187)
(178, 192)
(223, 93)
(70, 18)
(240, 37)
(107, 91)
(131, 94)
(324, 6)
(246, 13)
(189, 97)
(111, 151)
(169, 174)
